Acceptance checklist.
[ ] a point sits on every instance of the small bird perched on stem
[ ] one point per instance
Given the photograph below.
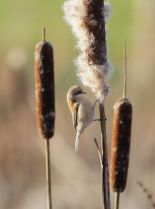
(82, 110)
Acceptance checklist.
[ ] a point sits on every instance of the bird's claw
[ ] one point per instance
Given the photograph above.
(98, 119)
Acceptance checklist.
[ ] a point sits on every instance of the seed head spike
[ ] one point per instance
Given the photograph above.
(125, 70)
(44, 34)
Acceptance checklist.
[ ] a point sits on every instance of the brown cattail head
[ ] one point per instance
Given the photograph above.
(94, 17)
(120, 144)
(88, 21)
(44, 89)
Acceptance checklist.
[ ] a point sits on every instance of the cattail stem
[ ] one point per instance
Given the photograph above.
(105, 170)
(147, 193)
(48, 174)
(99, 152)
(44, 34)
(125, 70)
(117, 200)
(45, 101)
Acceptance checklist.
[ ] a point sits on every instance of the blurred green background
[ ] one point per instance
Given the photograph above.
(76, 176)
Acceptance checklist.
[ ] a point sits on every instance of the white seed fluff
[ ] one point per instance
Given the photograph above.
(92, 75)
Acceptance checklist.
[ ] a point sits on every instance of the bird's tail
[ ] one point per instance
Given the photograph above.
(77, 140)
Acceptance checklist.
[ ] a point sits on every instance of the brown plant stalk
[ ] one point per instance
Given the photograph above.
(120, 147)
(45, 102)
(105, 168)
(88, 21)
(48, 175)
(147, 193)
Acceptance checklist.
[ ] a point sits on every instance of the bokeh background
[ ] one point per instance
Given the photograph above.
(75, 176)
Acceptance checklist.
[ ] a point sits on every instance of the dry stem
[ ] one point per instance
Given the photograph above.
(117, 199)
(105, 170)
(48, 174)
(147, 193)
(99, 152)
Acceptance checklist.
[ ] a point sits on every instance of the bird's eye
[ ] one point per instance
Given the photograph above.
(78, 92)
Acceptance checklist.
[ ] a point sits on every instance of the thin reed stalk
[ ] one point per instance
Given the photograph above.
(147, 193)
(99, 152)
(105, 169)
(48, 175)
(117, 198)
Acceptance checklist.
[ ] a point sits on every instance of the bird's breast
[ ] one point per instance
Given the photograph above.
(72, 105)
(86, 112)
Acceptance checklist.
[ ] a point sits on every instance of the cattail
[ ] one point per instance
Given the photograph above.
(44, 88)
(88, 21)
(121, 136)
(87, 18)
(120, 147)
(45, 102)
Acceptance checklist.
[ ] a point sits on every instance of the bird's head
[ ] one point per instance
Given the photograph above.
(75, 93)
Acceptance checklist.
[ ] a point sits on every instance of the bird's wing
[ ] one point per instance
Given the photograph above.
(75, 116)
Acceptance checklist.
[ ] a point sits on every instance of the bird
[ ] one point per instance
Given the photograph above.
(82, 111)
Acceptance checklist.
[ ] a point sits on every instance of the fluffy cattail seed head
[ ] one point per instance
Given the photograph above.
(87, 18)
(120, 148)
(44, 89)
